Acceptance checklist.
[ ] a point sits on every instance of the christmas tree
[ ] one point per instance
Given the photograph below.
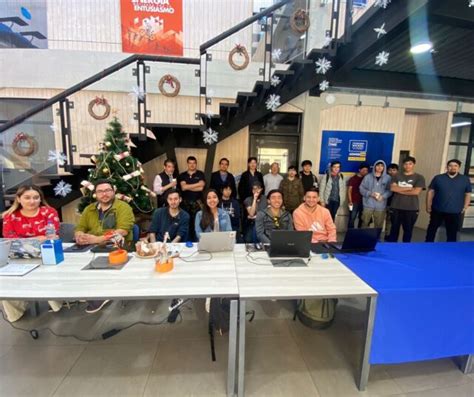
(115, 163)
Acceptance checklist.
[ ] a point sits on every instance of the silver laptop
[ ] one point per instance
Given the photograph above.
(217, 241)
(25, 248)
(4, 251)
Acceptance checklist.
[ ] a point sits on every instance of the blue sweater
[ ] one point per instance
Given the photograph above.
(163, 222)
(224, 223)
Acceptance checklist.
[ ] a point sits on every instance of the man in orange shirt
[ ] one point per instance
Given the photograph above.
(312, 216)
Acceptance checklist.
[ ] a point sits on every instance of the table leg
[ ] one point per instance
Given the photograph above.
(467, 364)
(241, 371)
(231, 366)
(365, 365)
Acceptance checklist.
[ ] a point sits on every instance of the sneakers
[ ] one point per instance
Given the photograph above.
(95, 306)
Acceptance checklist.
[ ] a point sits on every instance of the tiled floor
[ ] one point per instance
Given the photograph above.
(283, 358)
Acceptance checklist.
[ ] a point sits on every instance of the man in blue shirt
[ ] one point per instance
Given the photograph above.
(171, 219)
(448, 197)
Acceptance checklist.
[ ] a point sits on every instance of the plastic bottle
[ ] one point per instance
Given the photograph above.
(50, 230)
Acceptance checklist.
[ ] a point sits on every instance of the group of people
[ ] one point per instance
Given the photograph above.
(264, 203)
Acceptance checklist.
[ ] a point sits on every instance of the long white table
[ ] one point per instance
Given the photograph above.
(322, 278)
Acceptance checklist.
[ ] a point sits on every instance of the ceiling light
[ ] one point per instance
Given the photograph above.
(461, 124)
(420, 48)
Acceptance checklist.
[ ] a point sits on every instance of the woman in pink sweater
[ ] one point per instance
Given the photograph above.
(312, 216)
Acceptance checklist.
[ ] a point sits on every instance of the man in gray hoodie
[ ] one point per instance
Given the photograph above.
(375, 190)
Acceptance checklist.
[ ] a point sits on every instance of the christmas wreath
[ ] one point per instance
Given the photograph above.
(241, 51)
(299, 21)
(99, 101)
(24, 145)
(173, 82)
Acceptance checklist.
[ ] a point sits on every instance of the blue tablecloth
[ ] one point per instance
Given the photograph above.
(425, 307)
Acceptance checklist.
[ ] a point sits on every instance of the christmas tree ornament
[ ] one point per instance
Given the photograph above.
(240, 51)
(93, 159)
(123, 197)
(169, 80)
(150, 192)
(273, 102)
(108, 144)
(62, 189)
(94, 196)
(133, 174)
(121, 156)
(99, 102)
(88, 185)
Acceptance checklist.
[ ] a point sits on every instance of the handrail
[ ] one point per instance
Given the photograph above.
(229, 32)
(91, 80)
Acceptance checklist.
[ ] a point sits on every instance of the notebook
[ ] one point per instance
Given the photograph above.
(17, 269)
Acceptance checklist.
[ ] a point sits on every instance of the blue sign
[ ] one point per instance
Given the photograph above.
(352, 148)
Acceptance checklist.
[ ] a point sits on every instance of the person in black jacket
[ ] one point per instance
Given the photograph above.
(222, 178)
(248, 178)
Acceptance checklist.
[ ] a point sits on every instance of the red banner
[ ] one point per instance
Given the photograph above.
(152, 27)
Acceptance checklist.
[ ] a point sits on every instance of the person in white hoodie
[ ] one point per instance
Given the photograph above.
(375, 190)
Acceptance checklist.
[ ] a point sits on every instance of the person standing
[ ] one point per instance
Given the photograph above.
(332, 189)
(449, 196)
(292, 190)
(165, 182)
(392, 171)
(248, 178)
(375, 190)
(192, 183)
(406, 187)
(273, 179)
(354, 198)
(222, 178)
(308, 179)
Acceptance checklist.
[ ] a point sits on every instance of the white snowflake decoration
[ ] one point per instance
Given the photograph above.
(323, 85)
(471, 3)
(276, 54)
(209, 114)
(210, 136)
(62, 189)
(138, 93)
(57, 157)
(382, 3)
(381, 31)
(273, 102)
(322, 65)
(275, 81)
(382, 58)
(53, 127)
(327, 41)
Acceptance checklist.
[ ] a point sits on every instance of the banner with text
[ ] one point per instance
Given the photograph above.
(152, 27)
(352, 148)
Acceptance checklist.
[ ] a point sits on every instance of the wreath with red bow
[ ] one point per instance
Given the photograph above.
(170, 81)
(299, 21)
(24, 144)
(240, 51)
(99, 101)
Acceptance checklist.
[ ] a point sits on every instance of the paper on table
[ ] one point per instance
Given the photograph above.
(17, 269)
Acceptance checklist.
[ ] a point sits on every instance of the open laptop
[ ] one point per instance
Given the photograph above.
(288, 246)
(4, 251)
(358, 240)
(25, 248)
(217, 241)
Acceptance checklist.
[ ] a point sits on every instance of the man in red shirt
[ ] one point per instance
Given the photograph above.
(354, 197)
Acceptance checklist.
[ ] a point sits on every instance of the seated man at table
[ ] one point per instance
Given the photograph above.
(314, 217)
(275, 217)
(172, 220)
(106, 215)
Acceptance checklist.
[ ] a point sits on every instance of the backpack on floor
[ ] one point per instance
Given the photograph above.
(219, 314)
(316, 313)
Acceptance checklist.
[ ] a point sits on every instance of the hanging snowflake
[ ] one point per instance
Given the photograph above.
(210, 136)
(273, 102)
(322, 65)
(382, 3)
(275, 81)
(62, 189)
(209, 114)
(276, 54)
(471, 3)
(327, 41)
(381, 31)
(137, 93)
(53, 127)
(57, 157)
(382, 58)
(323, 85)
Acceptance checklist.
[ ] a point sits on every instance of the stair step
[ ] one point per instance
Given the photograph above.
(286, 72)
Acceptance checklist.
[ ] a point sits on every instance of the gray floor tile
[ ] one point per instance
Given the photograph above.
(4, 349)
(464, 390)
(35, 371)
(284, 384)
(114, 370)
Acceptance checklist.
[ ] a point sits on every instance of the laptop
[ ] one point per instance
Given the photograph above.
(217, 242)
(25, 248)
(4, 251)
(290, 245)
(358, 240)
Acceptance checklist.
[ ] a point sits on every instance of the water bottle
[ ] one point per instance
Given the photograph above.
(50, 230)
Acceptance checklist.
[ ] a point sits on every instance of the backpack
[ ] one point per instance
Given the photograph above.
(219, 314)
(316, 313)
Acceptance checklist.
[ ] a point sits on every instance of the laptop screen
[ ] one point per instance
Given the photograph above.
(289, 243)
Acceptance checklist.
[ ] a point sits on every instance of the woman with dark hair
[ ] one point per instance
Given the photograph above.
(248, 178)
(212, 218)
(273, 218)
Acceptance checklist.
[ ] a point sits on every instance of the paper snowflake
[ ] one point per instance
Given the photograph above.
(57, 157)
(327, 41)
(471, 3)
(209, 114)
(210, 136)
(138, 93)
(52, 127)
(273, 102)
(380, 31)
(275, 81)
(62, 189)
(382, 58)
(276, 54)
(322, 65)
(382, 3)
(323, 85)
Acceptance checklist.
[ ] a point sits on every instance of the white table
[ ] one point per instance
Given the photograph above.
(322, 278)
(201, 278)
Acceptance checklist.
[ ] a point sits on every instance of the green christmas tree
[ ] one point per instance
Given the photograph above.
(115, 163)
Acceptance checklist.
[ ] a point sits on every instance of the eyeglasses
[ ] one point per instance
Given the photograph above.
(104, 191)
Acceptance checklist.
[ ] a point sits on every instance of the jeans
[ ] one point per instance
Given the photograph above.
(406, 219)
(452, 223)
(333, 206)
(354, 214)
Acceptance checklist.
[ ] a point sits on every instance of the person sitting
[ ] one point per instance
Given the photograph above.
(108, 214)
(212, 218)
(28, 217)
(273, 218)
(253, 204)
(231, 206)
(222, 178)
(314, 217)
(292, 189)
(172, 220)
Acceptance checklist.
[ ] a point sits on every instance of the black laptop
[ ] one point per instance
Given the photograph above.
(356, 240)
(290, 245)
